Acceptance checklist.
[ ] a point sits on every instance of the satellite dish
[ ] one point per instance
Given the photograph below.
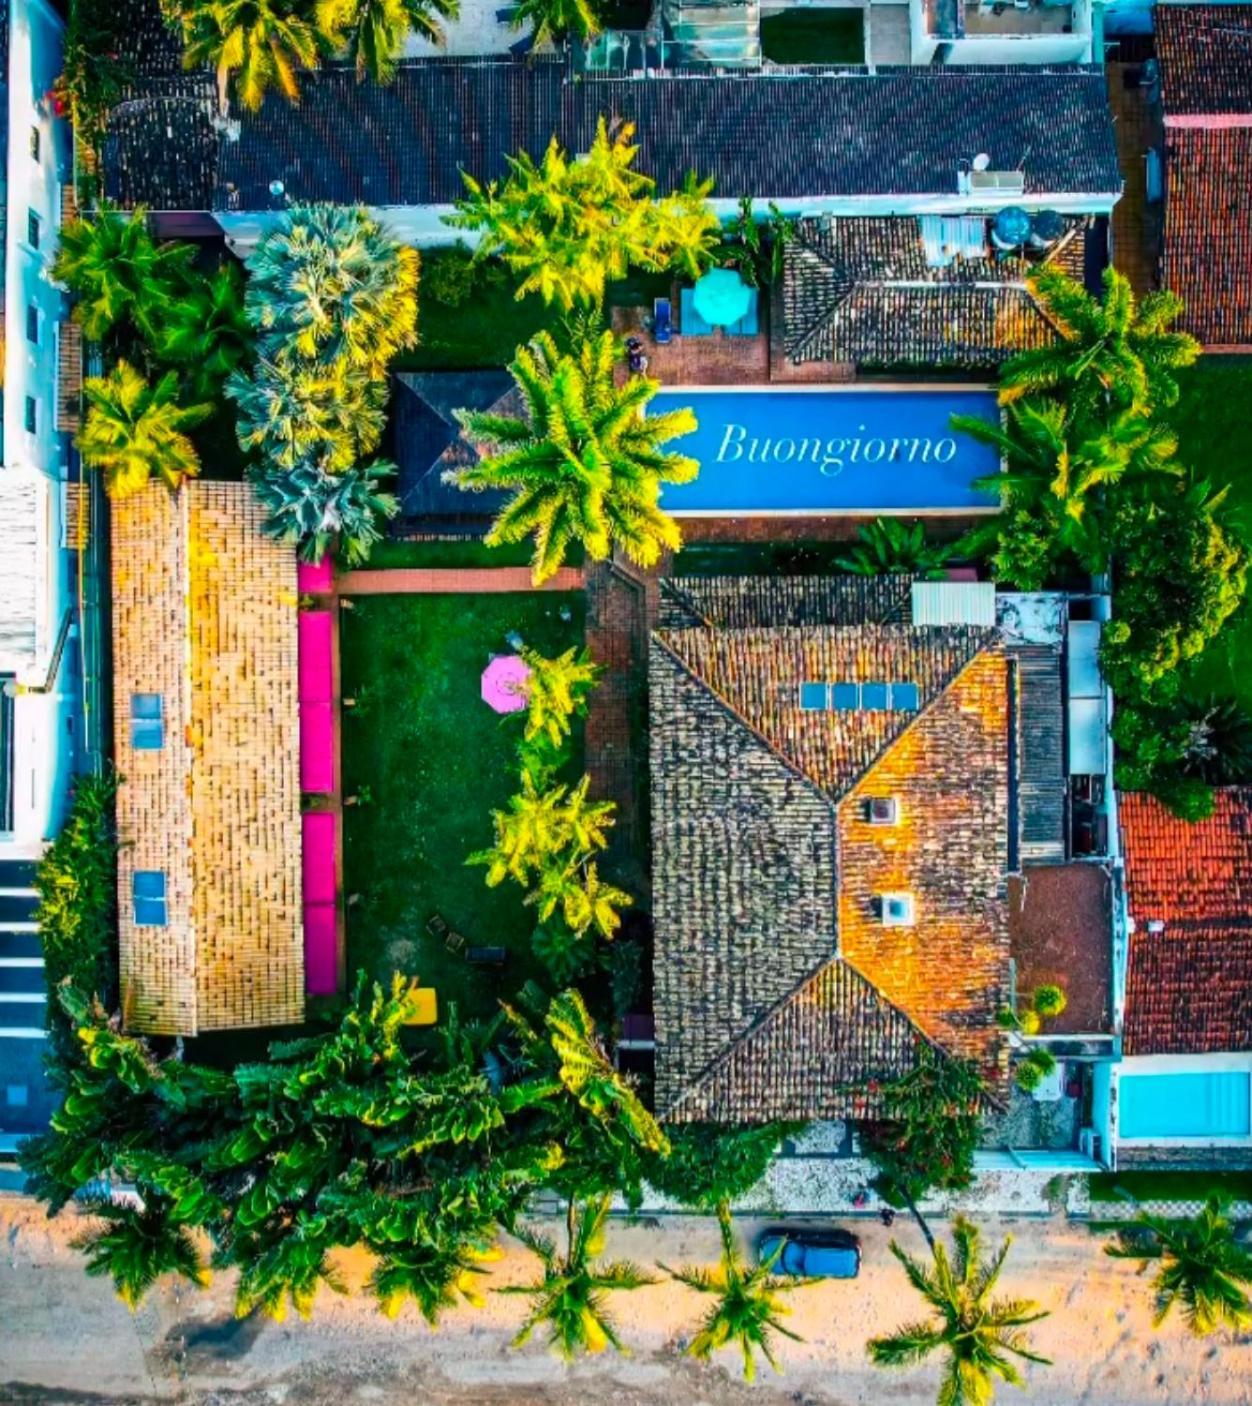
(981, 162)
(276, 188)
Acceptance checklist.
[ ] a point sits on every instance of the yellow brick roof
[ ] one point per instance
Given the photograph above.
(204, 613)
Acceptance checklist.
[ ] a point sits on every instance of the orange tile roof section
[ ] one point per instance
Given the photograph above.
(204, 613)
(1189, 985)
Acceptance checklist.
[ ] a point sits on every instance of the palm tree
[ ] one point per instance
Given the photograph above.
(557, 20)
(585, 464)
(205, 330)
(313, 509)
(586, 902)
(557, 691)
(1203, 1269)
(254, 45)
(569, 1299)
(136, 1246)
(1111, 348)
(133, 431)
(748, 1307)
(540, 825)
(118, 272)
(328, 283)
(433, 1277)
(889, 545)
(372, 33)
(1219, 741)
(979, 1334)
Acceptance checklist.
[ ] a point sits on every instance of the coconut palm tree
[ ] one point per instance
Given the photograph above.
(431, 1276)
(328, 283)
(372, 33)
(980, 1335)
(1203, 1269)
(254, 45)
(133, 430)
(313, 509)
(585, 464)
(205, 330)
(1113, 349)
(136, 1246)
(749, 1303)
(557, 20)
(569, 1299)
(118, 272)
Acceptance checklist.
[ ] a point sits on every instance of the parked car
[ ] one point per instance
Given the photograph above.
(824, 1252)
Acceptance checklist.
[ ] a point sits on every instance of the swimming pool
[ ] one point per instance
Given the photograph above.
(768, 451)
(1212, 1104)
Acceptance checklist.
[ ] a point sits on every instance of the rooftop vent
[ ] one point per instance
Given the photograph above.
(882, 810)
(896, 910)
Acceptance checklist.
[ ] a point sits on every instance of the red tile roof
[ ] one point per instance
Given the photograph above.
(1205, 52)
(1189, 985)
(1208, 230)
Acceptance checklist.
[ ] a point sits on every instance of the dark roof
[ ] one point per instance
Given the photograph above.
(1208, 230)
(778, 992)
(1189, 985)
(1042, 783)
(1205, 53)
(766, 133)
(859, 290)
(427, 440)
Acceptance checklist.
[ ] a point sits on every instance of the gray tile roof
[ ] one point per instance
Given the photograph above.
(859, 290)
(786, 134)
(426, 440)
(778, 992)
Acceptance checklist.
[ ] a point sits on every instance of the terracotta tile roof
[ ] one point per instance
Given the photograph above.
(1189, 985)
(860, 290)
(204, 614)
(779, 992)
(1205, 53)
(1208, 230)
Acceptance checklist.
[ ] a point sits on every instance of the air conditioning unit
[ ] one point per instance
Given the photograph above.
(896, 910)
(882, 810)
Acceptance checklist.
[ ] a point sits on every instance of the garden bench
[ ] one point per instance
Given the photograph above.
(487, 956)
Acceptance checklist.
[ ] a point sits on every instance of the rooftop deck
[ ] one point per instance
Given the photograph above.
(1060, 931)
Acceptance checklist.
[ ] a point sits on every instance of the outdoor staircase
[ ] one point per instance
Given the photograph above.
(722, 33)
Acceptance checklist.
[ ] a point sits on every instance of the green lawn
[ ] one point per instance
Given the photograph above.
(435, 760)
(1171, 1186)
(814, 36)
(470, 554)
(1215, 439)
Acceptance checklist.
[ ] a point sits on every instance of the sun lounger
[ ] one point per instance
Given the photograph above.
(691, 324)
(749, 324)
(662, 321)
(454, 941)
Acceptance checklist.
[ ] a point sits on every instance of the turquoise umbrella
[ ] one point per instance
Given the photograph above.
(722, 297)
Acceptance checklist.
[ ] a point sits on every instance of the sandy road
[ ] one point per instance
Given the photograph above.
(66, 1341)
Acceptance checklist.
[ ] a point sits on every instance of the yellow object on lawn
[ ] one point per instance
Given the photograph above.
(423, 1006)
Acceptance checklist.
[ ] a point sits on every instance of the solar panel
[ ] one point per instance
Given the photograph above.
(813, 697)
(845, 696)
(905, 697)
(874, 696)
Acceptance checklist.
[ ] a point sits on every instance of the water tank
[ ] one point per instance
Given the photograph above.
(1011, 228)
(1046, 228)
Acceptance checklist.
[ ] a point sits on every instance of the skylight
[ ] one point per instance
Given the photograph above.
(871, 696)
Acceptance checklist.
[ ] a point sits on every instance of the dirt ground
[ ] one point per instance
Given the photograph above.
(66, 1341)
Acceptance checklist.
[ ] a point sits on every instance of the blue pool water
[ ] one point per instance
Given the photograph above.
(1217, 1105)
(830, 451)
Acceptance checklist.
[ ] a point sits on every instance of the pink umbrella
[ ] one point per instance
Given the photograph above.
(504, 683)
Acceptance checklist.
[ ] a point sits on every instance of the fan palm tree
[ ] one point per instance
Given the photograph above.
(749, 1305)
(328, 283)
(979, 1334)
(1219, 740)
(1203, 1269)
(136, 1246)
(313, 509)
(433, 1277)
(133, 431)
(254, 45)
(118, 272)
(372, 33)
(205, 330)
(890, 545)
(557, 20)
(569, 1299)
(1112, 348)
(585, 464)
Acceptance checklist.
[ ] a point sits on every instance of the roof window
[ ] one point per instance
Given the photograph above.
(871, 697)
(897, 910)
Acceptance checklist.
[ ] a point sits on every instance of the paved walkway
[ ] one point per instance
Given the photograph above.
(415, 581)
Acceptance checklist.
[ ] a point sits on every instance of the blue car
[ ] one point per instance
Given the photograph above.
(812, 1251)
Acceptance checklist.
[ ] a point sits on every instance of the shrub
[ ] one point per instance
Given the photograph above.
(450, 275)
(709, 1163)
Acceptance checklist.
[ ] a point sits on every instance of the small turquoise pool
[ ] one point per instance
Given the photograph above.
(1214, 1104)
